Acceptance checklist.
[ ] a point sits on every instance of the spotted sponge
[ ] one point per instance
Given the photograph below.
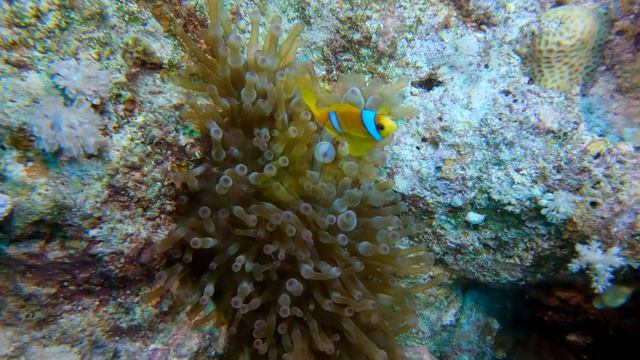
(566, 46)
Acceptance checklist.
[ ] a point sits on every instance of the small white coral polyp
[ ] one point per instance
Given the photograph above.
(81, 79)
(600, 265)
(74, 130)
(558, 206)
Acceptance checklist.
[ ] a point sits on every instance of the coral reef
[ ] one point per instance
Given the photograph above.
(566, 46)
(74, 236)
(628, 75)
(305, 235)
(488, 142)
(33, 26)
(617, 96)
(477, 168)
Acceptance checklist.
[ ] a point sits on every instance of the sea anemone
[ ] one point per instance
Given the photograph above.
(282, 236)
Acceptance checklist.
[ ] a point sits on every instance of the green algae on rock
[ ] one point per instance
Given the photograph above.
(294, 251)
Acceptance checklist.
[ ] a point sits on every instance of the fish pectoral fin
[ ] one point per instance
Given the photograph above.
(355, 136)
(359, 147)
(309, 98)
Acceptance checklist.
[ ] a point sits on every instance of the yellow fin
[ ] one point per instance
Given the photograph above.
(359, 147)
(343, 107)
(309, 97)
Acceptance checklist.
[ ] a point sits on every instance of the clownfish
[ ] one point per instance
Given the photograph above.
(362, 129)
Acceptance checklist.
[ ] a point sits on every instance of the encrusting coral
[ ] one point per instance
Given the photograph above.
(282, 236)
(566, 47)
(81, 79)
(74, 129)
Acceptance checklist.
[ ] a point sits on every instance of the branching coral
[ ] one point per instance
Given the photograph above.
(292, 239)
(600, 265)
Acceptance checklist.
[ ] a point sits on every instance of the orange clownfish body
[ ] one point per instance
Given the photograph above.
(362, 129)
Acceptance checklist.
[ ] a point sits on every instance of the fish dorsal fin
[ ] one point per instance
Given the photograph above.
(339, 107)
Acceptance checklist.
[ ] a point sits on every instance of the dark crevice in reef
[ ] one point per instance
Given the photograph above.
(428, 82)
(557, 321)
(75, 279)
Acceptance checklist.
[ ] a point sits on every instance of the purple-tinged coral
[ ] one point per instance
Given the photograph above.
(81, 79)
(74, 129)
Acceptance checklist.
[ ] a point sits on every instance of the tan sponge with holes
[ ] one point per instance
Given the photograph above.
(566, 46)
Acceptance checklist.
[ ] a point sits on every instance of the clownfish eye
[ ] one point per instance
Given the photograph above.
(379, 126)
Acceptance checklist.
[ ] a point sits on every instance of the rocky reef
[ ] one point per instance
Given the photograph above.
(526, 196)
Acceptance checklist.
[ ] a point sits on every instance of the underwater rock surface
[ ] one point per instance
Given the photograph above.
(508, 181)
